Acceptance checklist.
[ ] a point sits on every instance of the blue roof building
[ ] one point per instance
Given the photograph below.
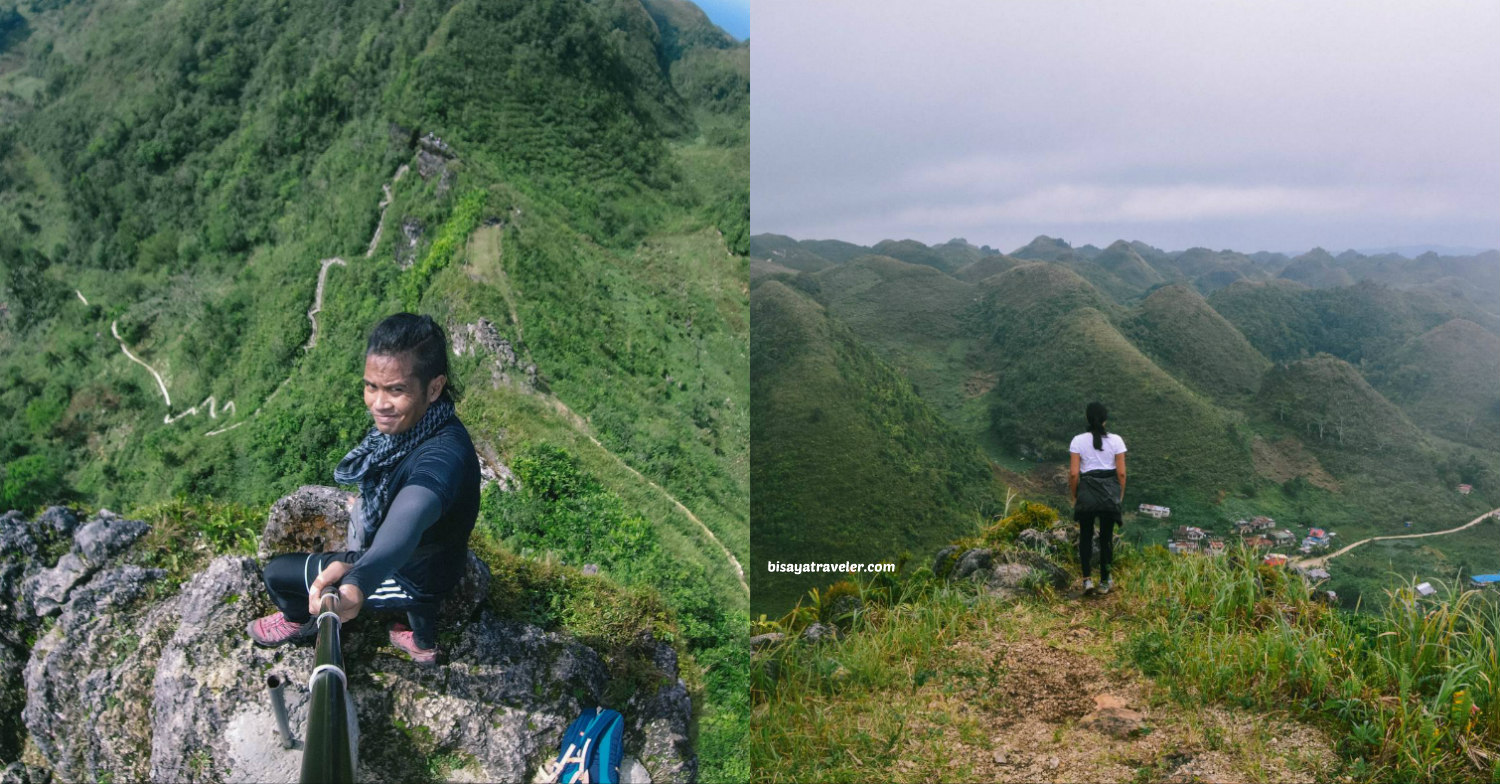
(1485, 579)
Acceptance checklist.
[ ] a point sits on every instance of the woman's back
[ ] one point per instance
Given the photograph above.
(1091, 459)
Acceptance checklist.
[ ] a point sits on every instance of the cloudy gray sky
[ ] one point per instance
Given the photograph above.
(1266, 125)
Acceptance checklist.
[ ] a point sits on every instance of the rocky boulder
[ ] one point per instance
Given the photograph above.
(942, 563)
(483, 339)
(768, 640)
(313, 519)
(975, 561)
(139, 681)
(1008, 577)
(103, 537)
(1035, 562)
(818, 632)
(406, 247)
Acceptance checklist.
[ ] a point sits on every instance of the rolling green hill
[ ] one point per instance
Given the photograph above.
(1357, 407)
(1448, 381)
(786, 252)
(1178, 328)
(849, 463)
(913, 252)
(984, 267)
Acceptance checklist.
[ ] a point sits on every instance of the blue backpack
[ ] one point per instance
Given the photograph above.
(591, 750)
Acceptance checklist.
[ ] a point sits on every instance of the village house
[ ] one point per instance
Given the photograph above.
(1155, 511)
(1316, 539)
(1257, 523)
(1425, 589)
(1283, 536)
(1182, 547)
(1484, 580)
(1216, 547)
(1189, 533)
(1258, 541)
(1465, 489)
(1274, 559)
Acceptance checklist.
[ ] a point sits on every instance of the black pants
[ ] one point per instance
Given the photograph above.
(289, 578)
(1107, 523)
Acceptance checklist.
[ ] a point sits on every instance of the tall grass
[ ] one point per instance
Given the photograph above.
(845, 711)
(1416, 687)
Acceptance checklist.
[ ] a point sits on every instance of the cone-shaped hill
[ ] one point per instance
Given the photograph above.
(1352, 428)
(911, 316)
(914, 252)
(786, 252)
(858, 466)
(836, 251)
(1177, 327)
(1364, 322)
(958, 253)
(1072, 357)
(1317, 269)
(985, 267)
(1045, 248)
(1023, 299)
(1448, 381)
(1121, 260)
(882, 295)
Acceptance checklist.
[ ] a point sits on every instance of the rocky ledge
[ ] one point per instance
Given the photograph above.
(108, 673)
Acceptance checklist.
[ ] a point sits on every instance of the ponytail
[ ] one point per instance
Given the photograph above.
(1097, 413)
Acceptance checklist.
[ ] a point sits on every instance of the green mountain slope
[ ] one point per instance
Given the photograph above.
(1448, 381)
(185, 181)
(836, 251)
(914, 252)
(786, 252)
(1121, 261)
(1178, 328)
(985, 267)
(1186, 448)
(1343, 407)
(850, 463)
(911, 315)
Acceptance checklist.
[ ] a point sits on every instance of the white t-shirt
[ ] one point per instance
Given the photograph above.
(1091, 459)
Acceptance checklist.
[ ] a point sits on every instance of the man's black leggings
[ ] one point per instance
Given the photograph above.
(1107, 523)
(289, 578)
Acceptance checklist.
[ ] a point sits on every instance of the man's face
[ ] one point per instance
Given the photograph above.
(393, 394)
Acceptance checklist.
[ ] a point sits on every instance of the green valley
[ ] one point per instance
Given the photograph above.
(1346, 392)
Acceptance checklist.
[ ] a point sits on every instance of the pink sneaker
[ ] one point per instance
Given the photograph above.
(405, 639)
(275, 629)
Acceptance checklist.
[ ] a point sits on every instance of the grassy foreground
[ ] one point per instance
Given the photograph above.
(933, 681)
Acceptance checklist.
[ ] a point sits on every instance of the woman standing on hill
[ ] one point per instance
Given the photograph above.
(1096, 483)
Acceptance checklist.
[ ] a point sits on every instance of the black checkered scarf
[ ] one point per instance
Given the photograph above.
(370, 464)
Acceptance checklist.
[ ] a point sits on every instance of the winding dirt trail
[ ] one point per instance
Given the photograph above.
(384, 205)
(1323, 559)
(114, 329)
(578, 422)
(312, 313)
(581, 425)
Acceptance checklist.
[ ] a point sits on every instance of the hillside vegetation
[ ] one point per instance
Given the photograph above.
(849, 448)
(1239, 390)
(205, 207)
(1192, 669)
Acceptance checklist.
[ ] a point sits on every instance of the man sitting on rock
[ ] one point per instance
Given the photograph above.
(418, 499)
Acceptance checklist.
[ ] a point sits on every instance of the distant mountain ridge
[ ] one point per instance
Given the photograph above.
(1348, 391)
